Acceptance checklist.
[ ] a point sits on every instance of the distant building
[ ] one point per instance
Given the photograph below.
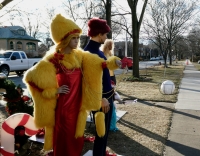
(16, 38)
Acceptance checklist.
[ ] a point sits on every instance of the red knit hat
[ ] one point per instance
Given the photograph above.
(97, 26)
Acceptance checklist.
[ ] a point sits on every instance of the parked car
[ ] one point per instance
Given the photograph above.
(16, 61)
(127, 61)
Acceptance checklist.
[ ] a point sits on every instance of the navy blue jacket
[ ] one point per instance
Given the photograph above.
(93, 47)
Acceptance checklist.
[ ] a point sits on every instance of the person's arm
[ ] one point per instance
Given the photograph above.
(42, 78)
(92, 81)
(113, 63)
(105, 105)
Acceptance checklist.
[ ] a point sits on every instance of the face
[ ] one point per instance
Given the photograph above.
(102, 38)
(73, 44)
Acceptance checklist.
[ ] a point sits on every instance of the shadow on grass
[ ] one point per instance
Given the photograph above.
(142, 130)
(126, 146)
(127, 97)
(122, 144)
(171, 109)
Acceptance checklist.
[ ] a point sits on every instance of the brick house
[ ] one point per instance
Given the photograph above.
(16, 38)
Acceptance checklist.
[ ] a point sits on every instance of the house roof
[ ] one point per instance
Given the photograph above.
(12, 32)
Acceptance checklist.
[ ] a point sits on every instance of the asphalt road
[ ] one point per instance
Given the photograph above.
(142, 65)
(17, 80)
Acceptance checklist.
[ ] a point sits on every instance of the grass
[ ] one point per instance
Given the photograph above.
(196, 65)
(144, 129)
(148, 87)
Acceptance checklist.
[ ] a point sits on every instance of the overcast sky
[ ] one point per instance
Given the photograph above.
(33, 4)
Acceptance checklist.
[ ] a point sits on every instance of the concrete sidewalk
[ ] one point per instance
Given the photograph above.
(184, 135)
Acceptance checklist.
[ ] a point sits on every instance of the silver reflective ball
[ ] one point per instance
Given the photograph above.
(167, 87)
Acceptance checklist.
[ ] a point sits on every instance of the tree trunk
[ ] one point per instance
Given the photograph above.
(165, 58)
(135, 57)
(170, 51)
(108, 16)
(135, 30)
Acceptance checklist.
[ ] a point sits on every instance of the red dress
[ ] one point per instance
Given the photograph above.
(65, 144)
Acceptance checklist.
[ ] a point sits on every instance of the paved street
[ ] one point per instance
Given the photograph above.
(142, 65)
(17, 80)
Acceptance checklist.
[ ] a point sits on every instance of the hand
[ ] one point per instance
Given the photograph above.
(105, 105)
(63, 90)
(118, 62)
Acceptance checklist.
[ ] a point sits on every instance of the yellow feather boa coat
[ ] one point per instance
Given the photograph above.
(43, 75)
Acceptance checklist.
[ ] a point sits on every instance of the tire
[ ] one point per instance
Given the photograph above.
(19, 73)
(5, 69)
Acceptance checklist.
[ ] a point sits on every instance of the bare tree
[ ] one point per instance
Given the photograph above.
(4, 3)
(180, 47)
(32, 28)
(45, 26)
(29, 21)
(194, 41)
(107, 6)
(167, 21)
(8, 10)
(82, 11)
(89, 9)
(114, 18)
(136, 24)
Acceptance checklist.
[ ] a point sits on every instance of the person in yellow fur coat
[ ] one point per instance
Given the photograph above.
(65, 85)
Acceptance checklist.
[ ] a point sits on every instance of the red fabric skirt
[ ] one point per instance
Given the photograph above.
(67, 109)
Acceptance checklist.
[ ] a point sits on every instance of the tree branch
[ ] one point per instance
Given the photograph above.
(4, 3)
(142, 13)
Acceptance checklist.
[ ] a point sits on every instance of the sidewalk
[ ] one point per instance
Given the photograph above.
(184, 135)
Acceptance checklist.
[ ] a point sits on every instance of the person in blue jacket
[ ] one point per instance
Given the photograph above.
(97, 31)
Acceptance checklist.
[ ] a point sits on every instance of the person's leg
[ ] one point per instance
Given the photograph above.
(100, 143)
(113, 122)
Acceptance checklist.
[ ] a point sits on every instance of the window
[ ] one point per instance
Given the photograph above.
(19, 45)
(16, 55)
(23, 55)
(11, 45)
(5, 55)
(21, 32)
(30, 47)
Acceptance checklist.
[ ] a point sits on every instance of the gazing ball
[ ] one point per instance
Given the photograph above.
(167, 87)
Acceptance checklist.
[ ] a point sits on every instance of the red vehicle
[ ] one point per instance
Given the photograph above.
(127, 61)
